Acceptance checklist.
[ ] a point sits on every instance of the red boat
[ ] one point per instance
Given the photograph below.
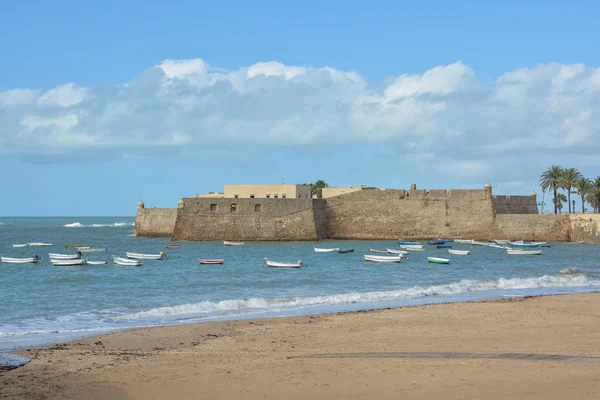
(215, 261)
(172, 246)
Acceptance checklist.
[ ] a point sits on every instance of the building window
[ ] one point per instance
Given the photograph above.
(213, 207)
(251, 196)
(235, 196)
(283, 195)
(268, 195)
(257, 207)
(233, 207)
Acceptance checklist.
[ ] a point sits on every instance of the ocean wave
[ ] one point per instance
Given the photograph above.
(110, 225)
(456, 288)
(570, 271)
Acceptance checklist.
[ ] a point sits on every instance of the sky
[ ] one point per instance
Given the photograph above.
(105, 103)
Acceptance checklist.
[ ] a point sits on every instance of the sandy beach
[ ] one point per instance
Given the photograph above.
(491, 349)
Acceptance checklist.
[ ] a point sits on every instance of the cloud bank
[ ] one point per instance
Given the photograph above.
(445, 112)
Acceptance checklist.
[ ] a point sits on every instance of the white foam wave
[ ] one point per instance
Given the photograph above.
(109, 225)
(455, 288)
(570, 271)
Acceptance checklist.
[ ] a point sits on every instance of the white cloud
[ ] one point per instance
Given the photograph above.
(447, 112)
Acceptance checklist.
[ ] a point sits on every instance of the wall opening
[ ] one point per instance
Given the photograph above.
(283, 196)
(276, 196)
(235, 196)
(257, 207)
(213, 207)
(233, 207)
(251, 196)
(268, 195)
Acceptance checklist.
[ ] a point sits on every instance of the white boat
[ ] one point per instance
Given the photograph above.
(67, 262)
(501, 241)
(394, 251)
(459, 252)
(26, 260)
(328, 250)
(140, 256)
(521, 252)
(521, 244)
(383, 259)
(226, 243)
(497, 246)
(91, 249)
(437, 260)
(377, 251)
(20, 245)
(39, 244)
(478, 243)
(275, 264)
(411, 246)
(57, 256)
(126, 261)
(463, 241)
(414, 248)
(90, 262)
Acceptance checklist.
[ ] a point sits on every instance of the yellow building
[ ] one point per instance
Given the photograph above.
(278, 191)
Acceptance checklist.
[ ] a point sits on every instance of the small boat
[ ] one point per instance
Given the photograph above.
(329, 250)
(226, 243)
(172, 246)
(443, 246)
(437, 260)
(383, 259)
(213, 261)
(57, 256)
(275, 264)
(545, 245)
(67, 262)
(414, 248)
(72, 246)
(400, 252)
(522, 244)
(20, 245)
(521, 252)
(39, 244)
(478, 243)
(501, 241)
(344, 251)
(459, 252)
(408, 243)
(497, 246)
(446, 240)
(463, 241)
(411, 246)
(26, 260)
(140, 256)
(379, 251)
(126, 261)
(436, 242)
(91, 249)
(90, 262)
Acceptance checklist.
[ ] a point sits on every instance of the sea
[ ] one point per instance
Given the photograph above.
(43, 304)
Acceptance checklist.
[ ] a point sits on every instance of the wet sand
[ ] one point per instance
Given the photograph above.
(484, 350)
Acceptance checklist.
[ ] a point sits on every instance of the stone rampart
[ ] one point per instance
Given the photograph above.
(546, 227)
(585, 227)
(155, 222)
(247, 219)
(515, 204)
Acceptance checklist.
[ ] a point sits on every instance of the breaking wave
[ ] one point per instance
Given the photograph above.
(110, 225)
(456, 288)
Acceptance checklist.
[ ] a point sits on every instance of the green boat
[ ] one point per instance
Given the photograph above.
(437, 260)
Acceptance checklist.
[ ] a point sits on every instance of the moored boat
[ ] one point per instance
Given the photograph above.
(25, 260)
(19, 245)
(459, 252)
(383, 259)
(141, 256)
(72, 246)
(414, 248)
(57, 256)
(172, 246)
(522, 252)
(394, 251)
(435, 242)
(437, 260)
(378, 251)
(126, 261)
(478, 243)
(211, 261)
(327, 250)
(522, 244)
(497, 246)
(344, 251)
(408, 242)
(91, 249)
(463, 241)
(443, 246)
(40, 244)
(226, 243)
(276, 264)
(411, 246)
(91, 262)
(67, 262)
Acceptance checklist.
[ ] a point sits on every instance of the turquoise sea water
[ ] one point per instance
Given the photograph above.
(41, 303)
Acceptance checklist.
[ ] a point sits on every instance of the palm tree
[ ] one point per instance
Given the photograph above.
(594, 196)
(317, 187)
(569, 177)
(584, 187)
(551, 179)
(559, 200)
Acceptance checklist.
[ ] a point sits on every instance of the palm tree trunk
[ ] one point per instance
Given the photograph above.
(582, 204)
(569, 199)
(555, 204)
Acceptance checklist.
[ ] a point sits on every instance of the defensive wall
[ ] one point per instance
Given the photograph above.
(367, 214)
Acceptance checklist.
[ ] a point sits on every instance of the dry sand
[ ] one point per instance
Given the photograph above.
(262, 359)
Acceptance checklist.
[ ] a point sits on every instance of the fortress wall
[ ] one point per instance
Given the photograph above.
(253, 219)
(393, 214)
(532, 227)
(585, 227)
(515, 204)
(155, 222)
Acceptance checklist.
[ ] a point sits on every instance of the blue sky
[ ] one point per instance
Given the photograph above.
(102, 104)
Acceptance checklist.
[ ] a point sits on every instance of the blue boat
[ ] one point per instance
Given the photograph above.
(343, 251)
(434, 242)
(446, 240)
(444, 246)
(407, 243)
(522, 244)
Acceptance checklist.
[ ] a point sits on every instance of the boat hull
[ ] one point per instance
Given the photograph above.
(140, 256)
(12, 260)
(320, 250)
(126, 262)
(383, 259)
(459, 252)
(437, 260)
(275, 264)
(67, 262)
(211, 262)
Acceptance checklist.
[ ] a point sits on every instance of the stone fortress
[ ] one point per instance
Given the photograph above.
(284, 212)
